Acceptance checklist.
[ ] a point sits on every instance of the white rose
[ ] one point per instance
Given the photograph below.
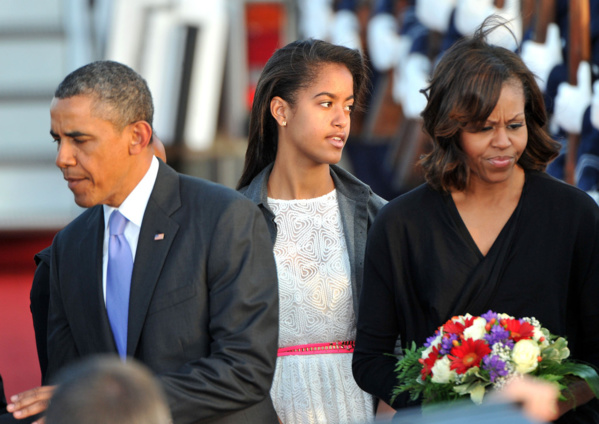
(525, 356)
(477, 330)
(538, 335)
(441, 372)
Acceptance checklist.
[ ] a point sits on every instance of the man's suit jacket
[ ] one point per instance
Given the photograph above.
(203, 311)
(39, 298)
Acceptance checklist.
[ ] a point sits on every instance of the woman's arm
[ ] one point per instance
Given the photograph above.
(377, 327)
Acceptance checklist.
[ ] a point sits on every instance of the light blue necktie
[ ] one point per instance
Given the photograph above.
(118, 281)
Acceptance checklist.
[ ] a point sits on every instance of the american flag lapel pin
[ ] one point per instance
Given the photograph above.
(159, 236)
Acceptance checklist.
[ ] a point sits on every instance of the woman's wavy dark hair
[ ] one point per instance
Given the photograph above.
(464, 90)
(290, 69)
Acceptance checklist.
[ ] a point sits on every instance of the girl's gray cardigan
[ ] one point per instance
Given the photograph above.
(358, 206)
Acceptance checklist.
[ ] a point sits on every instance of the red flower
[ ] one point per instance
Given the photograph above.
(519, 331)
(469, 321)
(453, 327)
(468, 355)
(428, 363)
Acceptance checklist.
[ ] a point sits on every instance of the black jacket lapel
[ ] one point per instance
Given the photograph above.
(157, 233)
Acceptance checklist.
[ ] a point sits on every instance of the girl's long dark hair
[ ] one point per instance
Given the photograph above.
(289, 70)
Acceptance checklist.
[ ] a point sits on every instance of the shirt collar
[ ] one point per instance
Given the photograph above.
(134, 206)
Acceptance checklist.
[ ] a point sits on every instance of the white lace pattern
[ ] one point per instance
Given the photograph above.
(316, 306)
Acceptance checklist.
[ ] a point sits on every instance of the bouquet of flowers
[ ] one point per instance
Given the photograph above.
(469, 355)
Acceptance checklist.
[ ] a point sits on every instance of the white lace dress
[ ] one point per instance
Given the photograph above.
(315, 307)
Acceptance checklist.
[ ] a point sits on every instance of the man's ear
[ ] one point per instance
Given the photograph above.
(141, 134)
(279, 109)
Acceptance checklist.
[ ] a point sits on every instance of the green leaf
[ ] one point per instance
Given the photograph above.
(586, 372)
(462, 389)
(558, 372)
(476, 390)
(477, 393)
(408, 373)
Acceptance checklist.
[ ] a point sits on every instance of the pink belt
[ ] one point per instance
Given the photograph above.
(317, 348)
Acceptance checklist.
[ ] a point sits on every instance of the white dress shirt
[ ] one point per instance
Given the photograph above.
(132, 208)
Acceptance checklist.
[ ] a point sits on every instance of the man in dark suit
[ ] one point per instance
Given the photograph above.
(40, 287)
(203, 302)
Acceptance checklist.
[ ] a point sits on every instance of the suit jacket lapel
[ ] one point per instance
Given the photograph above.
(156, 236)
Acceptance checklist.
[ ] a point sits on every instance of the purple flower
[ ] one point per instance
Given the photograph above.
(489, 316)
(447, 344)
(495, 366)
(498, 334)
(431, 339)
